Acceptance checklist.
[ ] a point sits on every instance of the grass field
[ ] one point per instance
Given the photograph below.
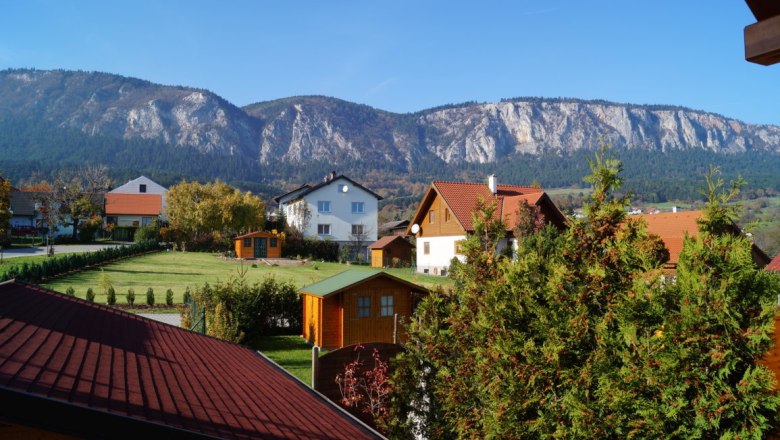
(293, 353)
(178, 270)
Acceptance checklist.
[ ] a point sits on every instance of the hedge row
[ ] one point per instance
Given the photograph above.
(295, 247)
(55, 266)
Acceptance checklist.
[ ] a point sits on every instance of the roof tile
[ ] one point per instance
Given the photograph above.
(133, 204)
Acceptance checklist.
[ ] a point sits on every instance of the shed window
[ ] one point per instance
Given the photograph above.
(364, 307)
(247, 242)
(273, 242)
(387, 305)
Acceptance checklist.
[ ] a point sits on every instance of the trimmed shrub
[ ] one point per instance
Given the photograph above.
(187, 295)
(169, 297)
(316, 249)
(130, 296)
(70, 291)
(111, 296)
(90, 295)
(150, 296)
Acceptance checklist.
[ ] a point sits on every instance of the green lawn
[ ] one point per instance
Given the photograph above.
(293, 353)
(178, 270)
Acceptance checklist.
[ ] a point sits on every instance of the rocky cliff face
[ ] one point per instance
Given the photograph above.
(302, 129)
(112, 105)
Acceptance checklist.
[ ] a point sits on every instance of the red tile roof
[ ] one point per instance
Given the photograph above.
(133, 204)
(385, 241)
(672, 227)
(774, 265)
(78, 356)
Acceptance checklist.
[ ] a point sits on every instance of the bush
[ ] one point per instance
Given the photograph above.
(150, 296)
(187, 295)
(90, 295)
(111, 296)
(169, 297)
(316, 249)
(130, 296)
(70, 291)
(148, 232)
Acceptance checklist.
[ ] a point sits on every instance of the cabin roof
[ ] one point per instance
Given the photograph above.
(344, 280)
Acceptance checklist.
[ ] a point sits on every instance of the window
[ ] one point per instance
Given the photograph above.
(357, 229)
(146, 221)
(323, 229)
(364, 307)
(387, 306)
(431, 216)
(458, 247)
(357, 207)
(323, 206)
(447, 215)
(142, 188)
(426, 247)
(247, 242)
(273, 242)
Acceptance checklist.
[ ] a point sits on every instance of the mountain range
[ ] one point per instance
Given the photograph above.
(56, 117)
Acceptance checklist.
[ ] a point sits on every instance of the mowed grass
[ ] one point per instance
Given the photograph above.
(293, 353)
(178, 270)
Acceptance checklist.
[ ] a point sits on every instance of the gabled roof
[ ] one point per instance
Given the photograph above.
(88, 370)
(774, 265)
(387, 240)
(133, 204)
(348, 278)
(308, 189)
(461, 199)
(132, 187)
(256, 234)
(22, 203)
(397, 224)
(673, 226)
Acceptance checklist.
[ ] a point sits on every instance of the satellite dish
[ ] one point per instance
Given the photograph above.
(415, 228)
(344, 188)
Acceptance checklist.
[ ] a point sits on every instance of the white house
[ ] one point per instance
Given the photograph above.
(443, 218)
(137, 203)
(338, 209)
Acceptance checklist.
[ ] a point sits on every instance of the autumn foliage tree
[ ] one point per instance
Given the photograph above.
(195, 209)
(584, 336)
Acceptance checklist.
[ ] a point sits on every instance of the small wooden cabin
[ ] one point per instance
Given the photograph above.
(357, 306)
(384, 250)
(259, 244)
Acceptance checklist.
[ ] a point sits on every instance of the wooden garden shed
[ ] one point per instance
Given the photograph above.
(259, 244)
(391, 251)
(357, 306)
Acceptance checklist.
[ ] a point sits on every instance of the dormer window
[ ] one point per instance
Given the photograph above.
(142, 188)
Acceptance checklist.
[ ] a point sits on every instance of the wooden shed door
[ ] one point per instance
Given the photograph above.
(261, 247)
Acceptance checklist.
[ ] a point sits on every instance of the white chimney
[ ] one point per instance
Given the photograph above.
(493, 183)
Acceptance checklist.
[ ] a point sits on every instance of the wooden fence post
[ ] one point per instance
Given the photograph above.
(315, 365)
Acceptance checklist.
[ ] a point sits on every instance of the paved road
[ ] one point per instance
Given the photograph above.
(58, 249)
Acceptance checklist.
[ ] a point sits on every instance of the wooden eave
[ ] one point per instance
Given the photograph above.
(762, 39)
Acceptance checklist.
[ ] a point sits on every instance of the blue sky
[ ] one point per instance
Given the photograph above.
(405, 56)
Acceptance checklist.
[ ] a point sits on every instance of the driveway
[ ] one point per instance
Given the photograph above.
(58, 249)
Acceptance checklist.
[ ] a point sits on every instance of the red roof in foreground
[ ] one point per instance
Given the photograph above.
(774, 265)
(133, 204)
(64, 356)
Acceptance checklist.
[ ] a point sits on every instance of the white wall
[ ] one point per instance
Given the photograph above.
(340, 218)
(442, 250)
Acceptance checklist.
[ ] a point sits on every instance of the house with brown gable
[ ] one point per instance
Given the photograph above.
(64, 375)
(673, 227)
(443, 219)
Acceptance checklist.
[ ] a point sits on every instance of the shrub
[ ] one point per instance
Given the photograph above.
(187, 295)
(90, 295)
(169, 297)
(130, 296)
(70, 291)
(111, 296)
(150, 296)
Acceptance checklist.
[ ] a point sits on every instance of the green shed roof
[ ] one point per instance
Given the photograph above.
(348, 278)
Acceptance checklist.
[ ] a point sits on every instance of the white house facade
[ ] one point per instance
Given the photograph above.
(337, 209)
